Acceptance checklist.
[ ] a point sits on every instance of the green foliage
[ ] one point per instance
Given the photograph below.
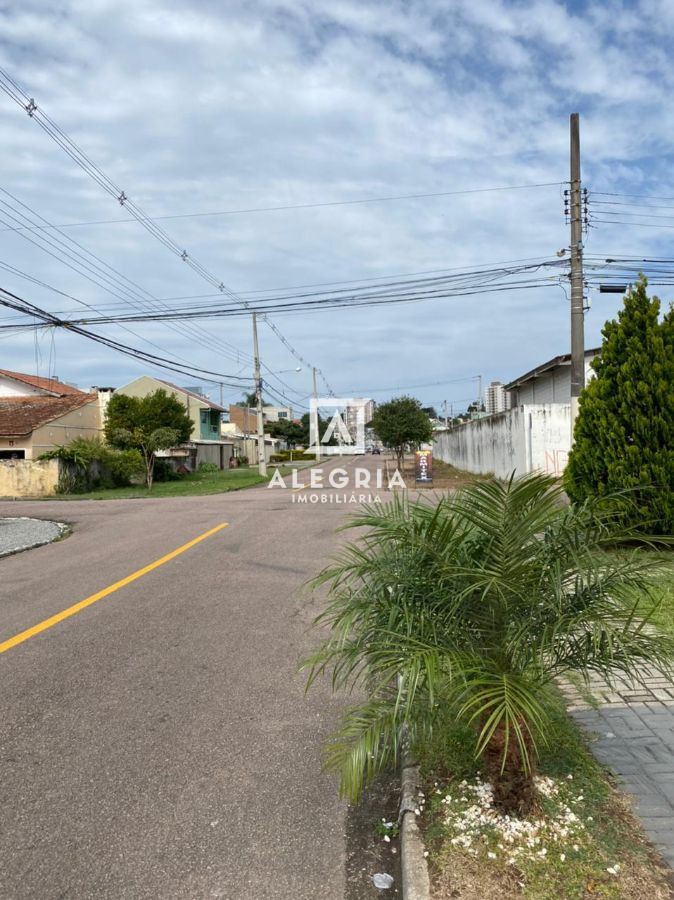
(402, 422)
(147, 414)
(475, 605)
(285, 455)
(157, 421)
(290, 431)
(624, 433)
(305, 425)
(208, 467)
(89, 463)
(250, 401)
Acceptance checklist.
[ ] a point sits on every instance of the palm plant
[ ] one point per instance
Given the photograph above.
(477, 604)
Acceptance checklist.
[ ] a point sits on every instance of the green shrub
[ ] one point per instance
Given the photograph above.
(89, 464)
(164, 471)
(624, 433)
(125, 466)
(208, 467)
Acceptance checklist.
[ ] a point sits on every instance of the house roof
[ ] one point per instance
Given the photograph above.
(51, 385)
(554, 363)
(22, 415)
(199, 397)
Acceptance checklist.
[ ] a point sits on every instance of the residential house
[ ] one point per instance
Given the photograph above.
(38, 414)
(244, 418)
(206, 443)
(277, 413)
(242, 430)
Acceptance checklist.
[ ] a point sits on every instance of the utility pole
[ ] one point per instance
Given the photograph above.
(444, 403)
(577, 322)
(261, 459)
(318, 437)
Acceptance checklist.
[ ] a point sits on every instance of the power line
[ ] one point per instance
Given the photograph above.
(97, 271)
(13, 301)
(16, 93)
(317, 205)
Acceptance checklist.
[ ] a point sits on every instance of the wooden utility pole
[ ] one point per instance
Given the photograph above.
(316, 420)
(261, 458)
(577, 299)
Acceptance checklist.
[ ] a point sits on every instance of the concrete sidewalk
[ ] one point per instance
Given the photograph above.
(632, 730)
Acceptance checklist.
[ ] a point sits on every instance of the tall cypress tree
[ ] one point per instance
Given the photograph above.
(624, 433)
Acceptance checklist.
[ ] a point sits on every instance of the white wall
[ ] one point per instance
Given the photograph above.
(9, 387)
(524, 439)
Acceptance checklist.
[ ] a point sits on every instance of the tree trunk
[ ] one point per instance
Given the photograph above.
(514, 788)
(149, 470)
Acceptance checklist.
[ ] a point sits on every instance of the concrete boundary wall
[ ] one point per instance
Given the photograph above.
(533, 437)
(29, 478)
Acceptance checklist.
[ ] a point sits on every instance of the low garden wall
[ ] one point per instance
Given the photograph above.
(29, 478)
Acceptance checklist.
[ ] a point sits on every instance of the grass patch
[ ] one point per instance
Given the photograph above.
(663, 580)
(584, 842)
(194, 484)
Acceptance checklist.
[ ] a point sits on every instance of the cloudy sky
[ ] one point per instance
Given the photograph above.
(224, 106)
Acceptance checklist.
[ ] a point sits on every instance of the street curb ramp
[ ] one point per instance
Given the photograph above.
(416, 883)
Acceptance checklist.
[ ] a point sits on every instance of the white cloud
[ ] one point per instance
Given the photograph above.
(221, 107)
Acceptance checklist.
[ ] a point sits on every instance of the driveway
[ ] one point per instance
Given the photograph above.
(156, 741)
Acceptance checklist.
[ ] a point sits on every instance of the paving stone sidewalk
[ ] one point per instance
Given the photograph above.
(633, 726)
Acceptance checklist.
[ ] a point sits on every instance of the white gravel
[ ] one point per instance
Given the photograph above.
(22, 533)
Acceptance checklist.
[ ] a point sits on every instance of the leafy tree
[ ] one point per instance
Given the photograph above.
(289, 431)
(157, 421)
(430, 412)
(401, 422)
(468, 611)
(250, 400)
(624, 433)
(305, 425)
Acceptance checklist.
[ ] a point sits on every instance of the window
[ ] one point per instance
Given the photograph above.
(283, 415)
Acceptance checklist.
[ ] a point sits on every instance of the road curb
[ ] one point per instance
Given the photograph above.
(416, 883)
(63, 531)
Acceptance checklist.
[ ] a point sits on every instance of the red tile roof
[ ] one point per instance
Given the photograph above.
(22, 415)
(53, 385)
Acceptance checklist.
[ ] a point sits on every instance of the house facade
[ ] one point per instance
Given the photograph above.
(206, 443)
(38, 414)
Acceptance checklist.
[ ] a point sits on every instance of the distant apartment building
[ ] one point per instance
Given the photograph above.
(361, 409)
(496, 398)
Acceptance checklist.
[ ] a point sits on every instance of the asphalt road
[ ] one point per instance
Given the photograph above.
(158, 743)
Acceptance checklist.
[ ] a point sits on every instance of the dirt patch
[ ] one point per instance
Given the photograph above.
(445, 477)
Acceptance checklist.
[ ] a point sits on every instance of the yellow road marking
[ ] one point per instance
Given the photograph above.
(71, 610)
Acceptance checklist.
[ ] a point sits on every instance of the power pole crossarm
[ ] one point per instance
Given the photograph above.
(577, 300)
(261, 458)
